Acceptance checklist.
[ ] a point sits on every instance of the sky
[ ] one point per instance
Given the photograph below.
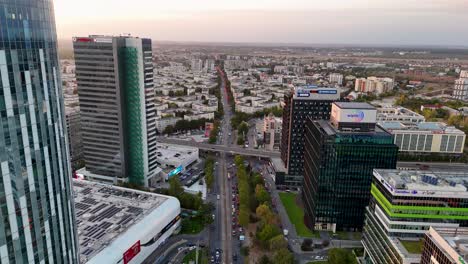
(358, 22)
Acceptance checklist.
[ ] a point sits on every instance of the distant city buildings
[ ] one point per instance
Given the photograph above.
(300, 104)
(374, 85)
(339, 158)
(460, 91)
(117, 104)
(272, 127)
(404, 205)
(37, 212)
(426, 137)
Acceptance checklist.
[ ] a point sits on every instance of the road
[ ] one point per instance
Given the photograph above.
(225, 194)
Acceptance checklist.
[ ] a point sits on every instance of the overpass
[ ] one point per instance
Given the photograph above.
(404, 165)
(220, 148)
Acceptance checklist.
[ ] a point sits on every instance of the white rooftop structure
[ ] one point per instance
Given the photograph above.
(112, 219)
(424, 183)
(399, 114)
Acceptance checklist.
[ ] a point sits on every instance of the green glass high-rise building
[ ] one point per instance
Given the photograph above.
(36, 201)
(118, 113)
(339, 158)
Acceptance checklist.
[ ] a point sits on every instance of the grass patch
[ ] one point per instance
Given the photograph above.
(318, 262)
(342, 235)
(296, 215)
(202, 257)
(192, 225)
(413, 247)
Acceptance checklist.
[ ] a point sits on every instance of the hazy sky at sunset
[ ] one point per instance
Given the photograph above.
(429, 22)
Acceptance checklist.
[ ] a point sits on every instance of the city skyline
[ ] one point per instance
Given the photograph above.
(353, 22)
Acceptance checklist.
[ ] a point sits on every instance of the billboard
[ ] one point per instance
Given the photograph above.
(317, 93)
(354, 115)
(131, 252)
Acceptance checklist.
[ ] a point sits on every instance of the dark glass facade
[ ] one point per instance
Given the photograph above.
(338, 173)
(36, 201)
(295, 113)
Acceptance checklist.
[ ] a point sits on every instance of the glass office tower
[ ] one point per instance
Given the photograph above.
(339, 158)
(37, 211)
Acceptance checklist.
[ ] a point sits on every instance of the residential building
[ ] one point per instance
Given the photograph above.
(336, 78)
(117, 223)
(117, 103)
(460, 91)
(272, 132)
(426, 137)
(299, 104)
(404, 205)
(445, 246)
(163, 122)
(339, 157)
(374, 85)
(37, 211)
(197, 65)
(399, 114)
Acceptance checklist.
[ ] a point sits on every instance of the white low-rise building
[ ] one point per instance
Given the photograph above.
(399, 114)
(426, 137)
(120, 225)
(199, 115)
(175, 159)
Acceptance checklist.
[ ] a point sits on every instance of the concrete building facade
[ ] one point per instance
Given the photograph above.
(118, 114)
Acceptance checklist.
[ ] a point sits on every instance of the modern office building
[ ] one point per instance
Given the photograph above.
(37, 211)
(302, 103)
(426, 137)
(403, 207)
(445, 246)
(119, 225)
(339, 157)
(460, 91)
(118, 114)
(399, 114)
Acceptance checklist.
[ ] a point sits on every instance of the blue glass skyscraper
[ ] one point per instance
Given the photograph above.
(36, 204)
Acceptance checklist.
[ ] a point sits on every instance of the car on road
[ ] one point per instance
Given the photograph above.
(218, 197)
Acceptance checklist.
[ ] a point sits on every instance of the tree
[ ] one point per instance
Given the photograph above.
(209, 172)
(168, 130)
(261, 194)
(267, 232)
(244, 251)
(264, 212)
(283, 256)
(175, 187)
(278, 242)
(307, 244)
(340, 255)
(244, 216)
(264, 260)
(243, 128)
